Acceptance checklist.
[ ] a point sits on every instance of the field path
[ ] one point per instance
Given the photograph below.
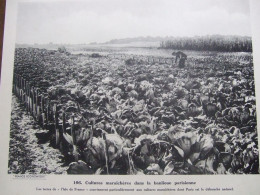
(26, 156)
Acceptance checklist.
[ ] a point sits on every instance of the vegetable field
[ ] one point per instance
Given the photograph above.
(122, 113)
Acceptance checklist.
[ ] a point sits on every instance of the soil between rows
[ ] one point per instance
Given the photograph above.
(26, 155)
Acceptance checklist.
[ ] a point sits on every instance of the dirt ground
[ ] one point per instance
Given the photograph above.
(26, 156)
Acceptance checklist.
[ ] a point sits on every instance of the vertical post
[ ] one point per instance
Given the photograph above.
(24, 98)
(106, 152)
(22, 90)
(41, 113)
(19, 88)
(38, 109)
(42, 103)
(47, 112)
(63, 122)
(31, 100)
(17, 85)
(72, 129)
(38, 112)
(18, 78)
(73, 135)
(36, 102)
(56, 123)
(43, 120)
(62, 130)
(22, 82)
(28, 96)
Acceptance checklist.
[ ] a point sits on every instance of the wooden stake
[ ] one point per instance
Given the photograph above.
(63, 122)
(73, 135)
(47, 112)
(62, 130)
(36, 103)
(106, 153)
(72, 129)
(43, 120)
(31, 100)
(42, 103)
(56, 123)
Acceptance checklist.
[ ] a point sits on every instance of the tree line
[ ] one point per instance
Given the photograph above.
(210, 43)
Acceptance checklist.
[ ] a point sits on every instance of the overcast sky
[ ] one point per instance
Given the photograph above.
(103, 20)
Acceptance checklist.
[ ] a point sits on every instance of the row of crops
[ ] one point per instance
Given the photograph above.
(143, 117)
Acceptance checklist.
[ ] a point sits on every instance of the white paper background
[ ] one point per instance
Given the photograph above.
(243, 184)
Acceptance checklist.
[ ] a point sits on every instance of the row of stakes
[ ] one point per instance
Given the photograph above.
(45, 114)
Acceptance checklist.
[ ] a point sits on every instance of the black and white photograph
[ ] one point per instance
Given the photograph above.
(133, 87)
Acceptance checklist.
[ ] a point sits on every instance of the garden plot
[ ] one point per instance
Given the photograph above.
(144, 116)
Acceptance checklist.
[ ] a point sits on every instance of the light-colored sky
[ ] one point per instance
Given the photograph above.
(103, 20)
